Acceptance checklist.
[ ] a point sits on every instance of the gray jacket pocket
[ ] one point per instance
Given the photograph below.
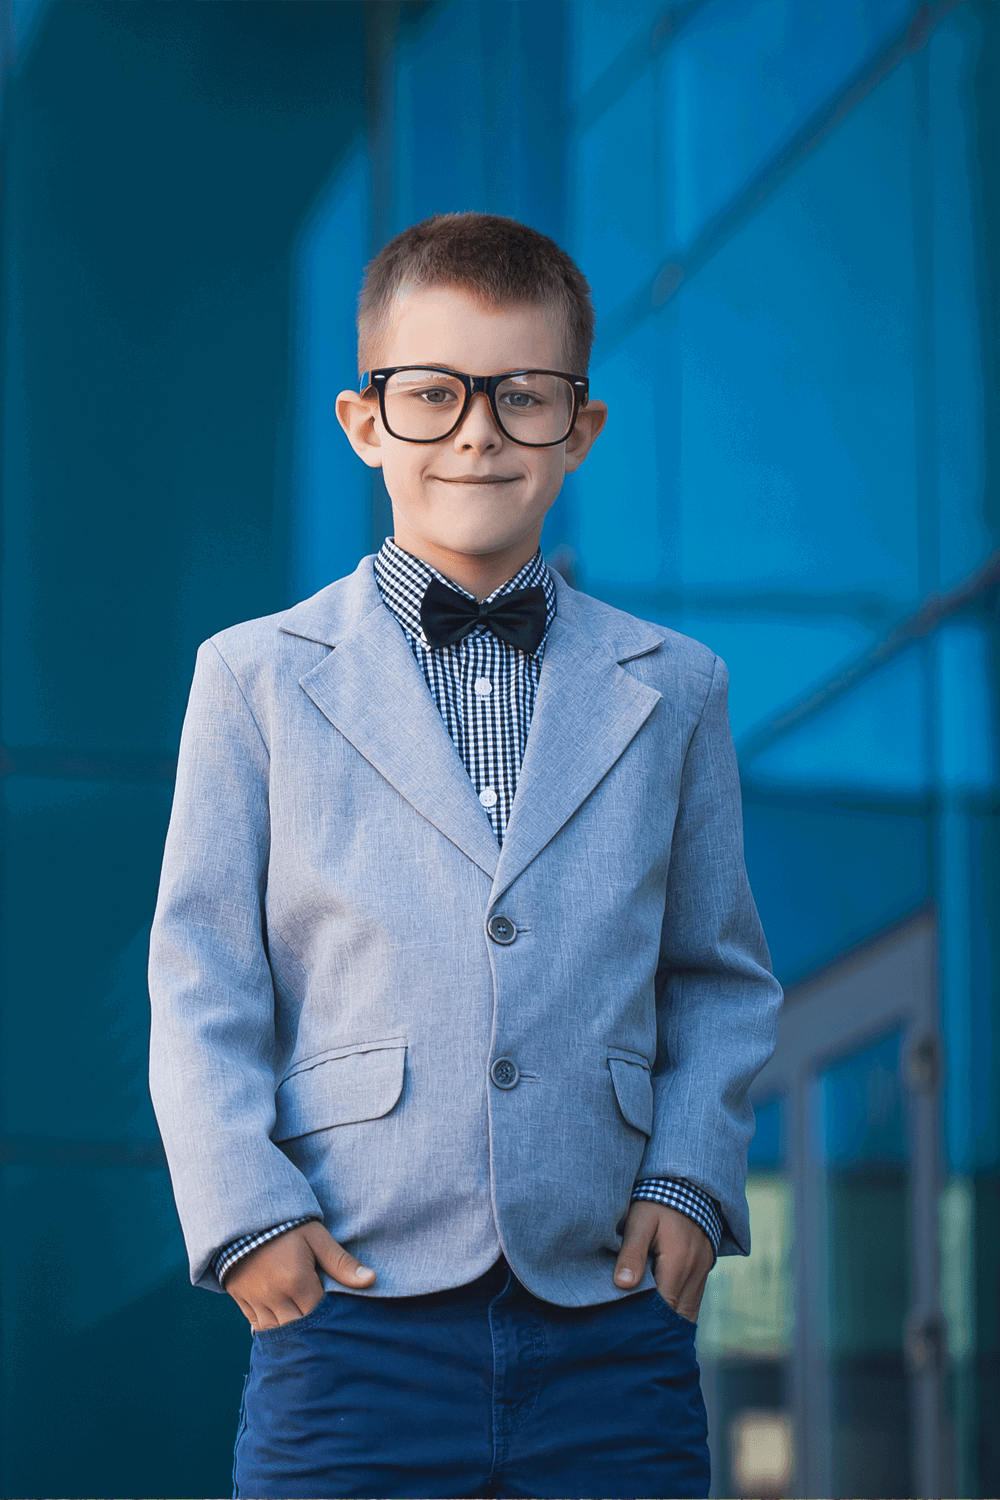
(633, 1088)
(340, 1087)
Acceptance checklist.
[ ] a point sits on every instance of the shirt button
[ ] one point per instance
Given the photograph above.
(501, 930)
(505, 1073)
(488, 797)
(483, 687)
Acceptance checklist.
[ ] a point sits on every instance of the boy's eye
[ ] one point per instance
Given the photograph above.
(436, 395)
(424, 388)
(519, 400)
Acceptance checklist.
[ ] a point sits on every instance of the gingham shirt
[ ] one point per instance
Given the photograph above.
(485, 692)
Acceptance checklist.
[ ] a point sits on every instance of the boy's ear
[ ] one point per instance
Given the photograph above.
(589, 425)
(356, 415)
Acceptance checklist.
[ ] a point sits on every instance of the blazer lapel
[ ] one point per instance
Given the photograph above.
(587, 712)
(371, 689)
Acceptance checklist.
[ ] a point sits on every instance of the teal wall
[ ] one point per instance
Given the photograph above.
(788, 210)
(159, 161)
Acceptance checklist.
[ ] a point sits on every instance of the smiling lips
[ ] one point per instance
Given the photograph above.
(478, 479)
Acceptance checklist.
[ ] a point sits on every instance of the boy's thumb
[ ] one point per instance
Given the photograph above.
(632, 1256)
(336, 1261)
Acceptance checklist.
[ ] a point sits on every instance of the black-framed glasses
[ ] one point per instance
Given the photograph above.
(422, 404)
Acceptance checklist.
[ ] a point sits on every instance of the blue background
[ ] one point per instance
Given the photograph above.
(789, 211)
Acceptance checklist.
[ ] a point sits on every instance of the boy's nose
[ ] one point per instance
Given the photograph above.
(477, 429)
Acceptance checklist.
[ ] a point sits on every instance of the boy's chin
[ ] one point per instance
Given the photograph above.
(479, 544)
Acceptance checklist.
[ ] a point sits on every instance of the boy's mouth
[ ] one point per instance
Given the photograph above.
(478, 479)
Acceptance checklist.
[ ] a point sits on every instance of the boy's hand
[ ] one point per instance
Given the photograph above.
(279, 1281)
(682, 1255)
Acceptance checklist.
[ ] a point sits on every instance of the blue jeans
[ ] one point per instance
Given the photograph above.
(479, 1391)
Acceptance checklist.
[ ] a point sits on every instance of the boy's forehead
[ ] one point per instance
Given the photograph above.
(445, 325)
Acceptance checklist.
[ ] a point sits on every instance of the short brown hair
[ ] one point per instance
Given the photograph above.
(497, 260)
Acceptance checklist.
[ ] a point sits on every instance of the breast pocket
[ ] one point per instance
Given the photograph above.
(340, 1087)
(633, 1088)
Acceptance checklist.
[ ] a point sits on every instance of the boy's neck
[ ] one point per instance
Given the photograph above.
(479, 575)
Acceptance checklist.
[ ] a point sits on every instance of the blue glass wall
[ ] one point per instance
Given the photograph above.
(159, 165)
(788, 210)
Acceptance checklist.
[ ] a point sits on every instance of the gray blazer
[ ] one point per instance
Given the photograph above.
(327, 1000)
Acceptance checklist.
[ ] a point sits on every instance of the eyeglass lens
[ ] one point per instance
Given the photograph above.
(425, 404)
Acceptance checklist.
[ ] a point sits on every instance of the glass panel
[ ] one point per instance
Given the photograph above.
(863, 1145)
(826, 875)
(619, 249)
(797, 651)
(957, 1229)
(871, 738)
(618, 524)
(963, 528)
(604, 32)
(967, 729)
(789, 58)
(796, 458)
(326, 540)
(749, 1310)
(746, 1328)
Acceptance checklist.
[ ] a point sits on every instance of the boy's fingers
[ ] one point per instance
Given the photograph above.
(277, 1311)
(688, 1303)
(305, 1296)
(634, 1253)
(335, 1260)
(248, 1311)
(285, 1310)
(683, 1292)
(262, 1317)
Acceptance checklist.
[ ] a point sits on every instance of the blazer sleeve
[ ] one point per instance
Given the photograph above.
(212, 1040)
(717, 1000)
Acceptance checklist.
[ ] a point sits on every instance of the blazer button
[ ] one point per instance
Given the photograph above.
(505, 1073)
(501, 930)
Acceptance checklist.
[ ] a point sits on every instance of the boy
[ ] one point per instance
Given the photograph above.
(454, 1022)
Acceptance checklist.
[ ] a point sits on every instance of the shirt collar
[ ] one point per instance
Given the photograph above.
(402, 581)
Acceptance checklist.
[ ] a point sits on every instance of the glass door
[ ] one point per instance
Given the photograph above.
(864, 1156)
(821, 1354)
(746, 1329)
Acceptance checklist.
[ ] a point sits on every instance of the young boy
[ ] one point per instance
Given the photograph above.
(458, 985)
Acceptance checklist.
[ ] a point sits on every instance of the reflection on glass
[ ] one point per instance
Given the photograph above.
(746, 1329)
(762, 1454)
(789, 58)
(957, 1228)
(748, 1307)
(956, 1214)
(863, 1145)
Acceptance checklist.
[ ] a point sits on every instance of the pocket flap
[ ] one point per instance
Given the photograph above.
(340, 1088)
(634, 1092)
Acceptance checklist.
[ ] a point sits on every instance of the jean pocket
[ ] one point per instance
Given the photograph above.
(670, 1314)
(267, 1337)
(241, 1429)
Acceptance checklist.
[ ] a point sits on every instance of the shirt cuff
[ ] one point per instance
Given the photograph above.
(677, 1192)
(224, 1260)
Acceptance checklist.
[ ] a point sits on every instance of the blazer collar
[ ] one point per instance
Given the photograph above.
(337, 610)
(588, 711)
(371, 689)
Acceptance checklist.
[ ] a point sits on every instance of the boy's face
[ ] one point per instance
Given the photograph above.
(475, 499)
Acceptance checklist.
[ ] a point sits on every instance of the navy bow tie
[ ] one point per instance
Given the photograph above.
(518, 618)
